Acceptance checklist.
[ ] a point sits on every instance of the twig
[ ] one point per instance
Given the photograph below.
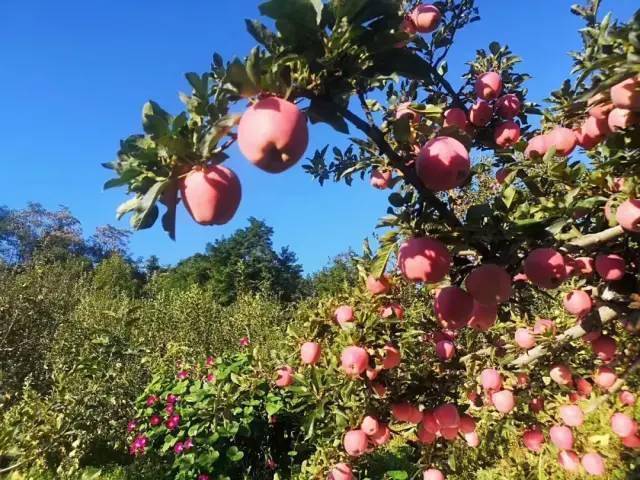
(614, 388)
(595, 239)
(375, 134)
(365, 107)
(604, 314)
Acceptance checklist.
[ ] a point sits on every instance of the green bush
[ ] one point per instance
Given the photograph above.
(215, 419)
(34, 300)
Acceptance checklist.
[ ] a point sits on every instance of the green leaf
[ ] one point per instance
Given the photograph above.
(238, 77)
(397, 475)
(155, 120)
(508, 195)
(234, 454)
(396, 199)
(199, 83)
(382, 259)
(217, 131)
(322, 111)
(147, 210)
(262, 35)
(402, 129)
(170, 200)
(402, 62)
(128, 206)
(494, 48)
(123, 179)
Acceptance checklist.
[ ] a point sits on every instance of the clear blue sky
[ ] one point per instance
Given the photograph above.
(74, 75)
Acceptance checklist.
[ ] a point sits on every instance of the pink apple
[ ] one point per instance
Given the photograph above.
(443, 164)
(488, 86)
(424, 259)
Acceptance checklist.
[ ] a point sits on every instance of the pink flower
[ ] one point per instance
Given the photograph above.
(210, 378)
(152, 400)
(210, 361)
(183, 375)
(139, 445)
(271, 465)
(204, 476)
(170, 408)
(155, 420)
(273, 419)
(131, 426)
(171, 398)
(188, 443)
(178, 448)
(173, 422)
(244, 342)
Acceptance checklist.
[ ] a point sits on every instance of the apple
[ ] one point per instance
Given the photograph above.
(273, 134)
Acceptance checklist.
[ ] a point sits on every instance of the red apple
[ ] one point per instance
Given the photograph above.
(355, 360)
(310, 353)
(273, 134)
(489, 284)
(211, 195)
(456, 117)
(378, 286)
(483, 317)
(453, 307)
(561, 437)
(507, 134)
(355, 443)
(620, 119)
(537, 147)
(380, 179)
(545, 268)
(508, 105)
(599, 107)
(442, 164)
(488, 86)
(533, 439)
(605, 377)
(480, 113)
(628, 215)
(626, 94)
(610, 267)
(564, 139)
(578, 303)
(424, 259)
(425, 18)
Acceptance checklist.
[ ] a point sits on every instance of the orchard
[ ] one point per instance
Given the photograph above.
(494, 332)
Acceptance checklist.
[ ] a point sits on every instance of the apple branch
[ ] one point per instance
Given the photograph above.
(614, 388)
(595, 239)
(602, 314)
(375, 134)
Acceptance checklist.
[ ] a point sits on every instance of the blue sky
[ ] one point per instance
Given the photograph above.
(74, 75)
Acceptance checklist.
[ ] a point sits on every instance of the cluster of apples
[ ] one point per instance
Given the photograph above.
(443, 162)
(272, 135)
(444, 421)
(606, 115)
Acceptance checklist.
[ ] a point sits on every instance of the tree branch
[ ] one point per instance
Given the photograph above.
(602, 314)
(595, 239)
(365, 107)
(375, 134)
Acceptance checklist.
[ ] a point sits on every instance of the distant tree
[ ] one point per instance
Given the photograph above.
(339, 276)
(54, 235)
(245, 261)
(23, 232)
(108, 240)
(151, 266)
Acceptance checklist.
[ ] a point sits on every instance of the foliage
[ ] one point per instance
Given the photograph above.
(213, 417)
(244, 262)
